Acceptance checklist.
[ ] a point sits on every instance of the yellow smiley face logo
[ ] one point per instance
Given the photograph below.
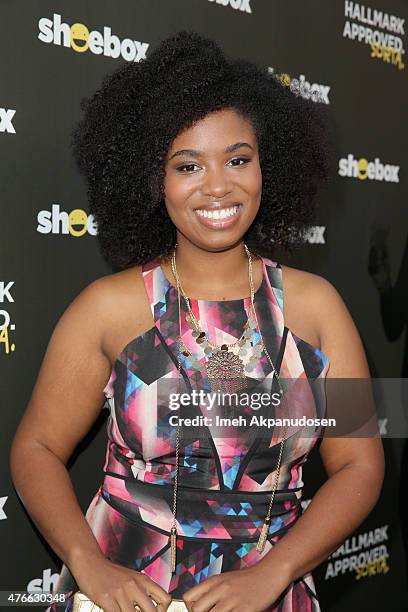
(285, 79)
(77, 222)
(362, 169)
(79, 37)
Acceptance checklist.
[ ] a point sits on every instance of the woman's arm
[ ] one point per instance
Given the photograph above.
(66, 400)
(355, 466)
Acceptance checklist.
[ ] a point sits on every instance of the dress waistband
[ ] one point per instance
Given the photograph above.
(201, 513)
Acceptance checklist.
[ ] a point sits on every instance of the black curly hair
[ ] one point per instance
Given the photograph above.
(129, 123)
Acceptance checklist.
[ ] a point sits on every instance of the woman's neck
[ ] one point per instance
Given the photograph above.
(213, 275)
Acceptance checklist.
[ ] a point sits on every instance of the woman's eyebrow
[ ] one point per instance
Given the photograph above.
(195, 153)
(238, 145)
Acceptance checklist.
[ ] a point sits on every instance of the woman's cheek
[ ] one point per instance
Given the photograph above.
(179, 188)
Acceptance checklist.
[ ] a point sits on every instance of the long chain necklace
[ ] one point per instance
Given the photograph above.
(233, 373)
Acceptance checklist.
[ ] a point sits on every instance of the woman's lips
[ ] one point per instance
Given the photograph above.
(219, 223)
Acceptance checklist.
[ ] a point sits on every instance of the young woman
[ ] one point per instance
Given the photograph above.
(197, 166)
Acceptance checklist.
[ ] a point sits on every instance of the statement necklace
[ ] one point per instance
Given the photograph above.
(225, 367)
(222, 368)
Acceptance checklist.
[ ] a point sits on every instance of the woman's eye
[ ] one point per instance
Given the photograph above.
(239, 161)
(191, 167)
(187, 168)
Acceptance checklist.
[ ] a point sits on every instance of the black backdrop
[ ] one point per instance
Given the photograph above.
(321, 46)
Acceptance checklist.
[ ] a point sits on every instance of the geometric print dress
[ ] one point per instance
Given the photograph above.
(224, 481)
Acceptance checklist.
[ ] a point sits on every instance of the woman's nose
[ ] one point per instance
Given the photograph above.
(216, 183)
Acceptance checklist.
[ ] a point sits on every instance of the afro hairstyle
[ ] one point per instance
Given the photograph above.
(127, 126)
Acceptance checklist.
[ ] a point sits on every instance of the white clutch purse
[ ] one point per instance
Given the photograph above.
(82, 603)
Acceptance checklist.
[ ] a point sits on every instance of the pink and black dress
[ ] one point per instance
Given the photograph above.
(224, 481)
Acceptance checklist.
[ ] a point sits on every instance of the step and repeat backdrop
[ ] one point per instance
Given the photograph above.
(347, 56)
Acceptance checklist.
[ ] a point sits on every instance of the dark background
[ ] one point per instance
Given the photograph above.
(44, 84)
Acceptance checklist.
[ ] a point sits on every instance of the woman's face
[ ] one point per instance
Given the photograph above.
(213, 180)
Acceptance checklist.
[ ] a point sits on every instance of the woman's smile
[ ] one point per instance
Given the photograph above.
(219, 217)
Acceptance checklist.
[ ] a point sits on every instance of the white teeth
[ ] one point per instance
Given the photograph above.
(225, 213)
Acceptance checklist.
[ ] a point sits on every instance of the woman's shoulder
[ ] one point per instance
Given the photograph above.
(299, 279)
(311, 304)
(121, 304)
(315, 286)
(112, 296)
(316, 312)
(117, 286)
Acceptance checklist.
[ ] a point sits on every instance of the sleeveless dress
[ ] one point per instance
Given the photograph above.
(224, 482)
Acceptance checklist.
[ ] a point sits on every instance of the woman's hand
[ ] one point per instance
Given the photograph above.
(245, 590)
(114, 587)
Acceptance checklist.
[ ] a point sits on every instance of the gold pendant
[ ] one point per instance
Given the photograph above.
(226, 372)
(224, 364)
(263, 535)
(173, 548)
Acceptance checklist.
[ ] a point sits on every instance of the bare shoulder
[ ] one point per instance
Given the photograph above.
(315, 311)
(104, 307)
(305, 296)
(114, 289)
(313, 288)
(121, 303)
